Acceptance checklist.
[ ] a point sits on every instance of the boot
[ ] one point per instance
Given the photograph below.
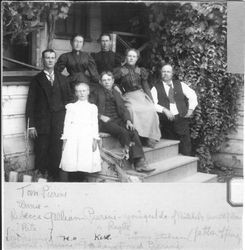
(142, 166)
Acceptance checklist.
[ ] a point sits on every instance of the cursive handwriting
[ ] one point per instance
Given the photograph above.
(67, 238)
(48, 223)
(155, 215)
(120, 227)
(224, 233)
(181, 215)
(102, 237)
(24, 205)
(91, 215)
(43, 192)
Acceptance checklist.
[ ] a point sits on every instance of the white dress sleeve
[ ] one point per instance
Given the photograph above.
(68, 122)
(95, 126)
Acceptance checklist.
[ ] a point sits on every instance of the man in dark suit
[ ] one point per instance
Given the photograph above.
(114, 119)
(175, 102)
(48, 94)
(106, 60)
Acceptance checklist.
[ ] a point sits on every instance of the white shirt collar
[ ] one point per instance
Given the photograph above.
(49, 74)
(167, 85)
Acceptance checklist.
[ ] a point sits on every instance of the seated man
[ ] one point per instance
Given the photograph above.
(175, 102)
(115, 120)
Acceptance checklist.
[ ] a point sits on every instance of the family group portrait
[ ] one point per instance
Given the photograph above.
(119, 92)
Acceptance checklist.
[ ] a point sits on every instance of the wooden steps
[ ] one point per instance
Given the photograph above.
(200, 177)
(170, 166)
(170, 170)
(163, 150)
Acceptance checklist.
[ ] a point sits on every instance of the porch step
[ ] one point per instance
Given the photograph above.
(164, 148)
(170, 166)
(200, 178)
(169, 170)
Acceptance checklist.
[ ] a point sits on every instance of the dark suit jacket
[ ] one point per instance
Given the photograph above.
(38, 109)
(99, 100)
(78, 66)
(106, 61)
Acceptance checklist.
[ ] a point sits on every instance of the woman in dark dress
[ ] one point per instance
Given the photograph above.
(132, 81)
(80, 65)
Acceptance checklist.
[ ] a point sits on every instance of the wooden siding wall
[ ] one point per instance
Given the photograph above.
(18, 152)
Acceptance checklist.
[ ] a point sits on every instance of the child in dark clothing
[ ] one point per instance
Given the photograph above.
(114, 119)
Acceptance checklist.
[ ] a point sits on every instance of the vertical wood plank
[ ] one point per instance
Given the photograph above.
(42, 180)
(27, 178)
(113, 42)
(13, 176)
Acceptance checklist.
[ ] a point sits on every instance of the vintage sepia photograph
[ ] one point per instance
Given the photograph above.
(115, 116)
(142, 133)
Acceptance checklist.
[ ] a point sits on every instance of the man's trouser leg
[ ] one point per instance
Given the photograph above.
(55, 152)
(136, 151)
(41, 150)
(167, 127)
(116, 131)
(181, 127)
(56, 143)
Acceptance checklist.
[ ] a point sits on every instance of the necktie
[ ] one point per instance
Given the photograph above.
(171, 94)
(50, 77)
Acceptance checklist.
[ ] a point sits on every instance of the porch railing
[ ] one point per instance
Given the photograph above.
(118, 36)
(21, 63)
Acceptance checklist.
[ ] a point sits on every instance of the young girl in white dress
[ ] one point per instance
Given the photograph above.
(80, 135)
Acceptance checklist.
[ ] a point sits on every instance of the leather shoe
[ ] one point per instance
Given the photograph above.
(142, 166)
(151, 143)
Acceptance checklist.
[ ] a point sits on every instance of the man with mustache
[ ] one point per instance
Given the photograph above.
(175, 102)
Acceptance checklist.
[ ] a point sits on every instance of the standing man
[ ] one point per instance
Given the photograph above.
(106, 60)
(175, 103)
(48, 94)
